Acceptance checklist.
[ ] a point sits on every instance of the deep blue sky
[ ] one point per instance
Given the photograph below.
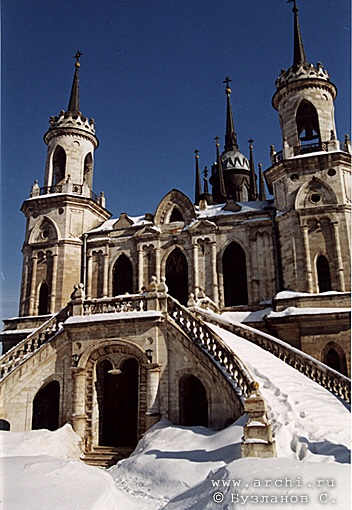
(151, 76)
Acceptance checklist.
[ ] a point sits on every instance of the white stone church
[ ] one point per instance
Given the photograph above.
(112, 334)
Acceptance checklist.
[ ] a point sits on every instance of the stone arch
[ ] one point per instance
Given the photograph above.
(234, 270)
(174, 198)
(122, 275)
(307, 123)
(334, 357)
(193, 401)
(46, 407)
(58, 165)
(315, 193)
(323, 273)
(116, 352)
(176, 273)
(45, 231)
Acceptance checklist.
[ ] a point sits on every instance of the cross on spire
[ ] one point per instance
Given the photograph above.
(78, 56)
(227, 80)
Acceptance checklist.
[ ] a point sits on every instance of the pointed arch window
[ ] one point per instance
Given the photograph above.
(307, 123)
(43, 306)
(122, 276)
(235, 275)
(176, 272)
(323, 272)
(335, 358)
(176, 215)
(59, 165)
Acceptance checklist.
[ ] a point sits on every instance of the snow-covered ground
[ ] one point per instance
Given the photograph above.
(179, 468)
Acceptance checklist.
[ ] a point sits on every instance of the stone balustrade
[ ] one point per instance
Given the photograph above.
(312, 368)
(29, 345)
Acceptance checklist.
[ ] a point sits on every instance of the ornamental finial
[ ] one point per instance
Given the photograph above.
(77, 57)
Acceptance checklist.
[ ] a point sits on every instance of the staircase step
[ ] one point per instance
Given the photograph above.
(106, 456)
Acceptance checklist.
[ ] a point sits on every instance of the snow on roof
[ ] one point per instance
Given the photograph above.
(292, 310)
(285, 294)
(247, 316)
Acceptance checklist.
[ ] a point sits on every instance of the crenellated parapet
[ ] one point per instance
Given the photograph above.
(66, 121)
(303, 71)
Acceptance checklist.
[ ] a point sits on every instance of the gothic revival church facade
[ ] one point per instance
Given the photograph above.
(112, 360)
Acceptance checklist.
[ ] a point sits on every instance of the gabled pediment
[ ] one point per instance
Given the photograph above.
(148, 231)
(204, 226)
(123, 222)
(174, 207)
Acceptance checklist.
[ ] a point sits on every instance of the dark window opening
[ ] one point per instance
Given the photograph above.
(46, 407)
(235, 275)
(59, 165)
(323, 270)
(336, 360)
(177, 276)
(176, 215)
(307, 123)
(43, 307)
(193, 402)
(5, 425)
(122, 276)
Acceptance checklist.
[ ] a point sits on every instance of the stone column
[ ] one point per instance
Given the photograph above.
(195, 268)
(89, 276)
(307, 258)
(153, 403)
(53, 283)
(214, 273)
(140, 268)
(78, 401)
(105, 274)
(157, 261)
(23, 310)
(33, 282)
(339, 273)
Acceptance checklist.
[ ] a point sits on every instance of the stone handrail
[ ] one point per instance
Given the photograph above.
(330, 379)
(202, 336)
(29, 345)
(125, 303)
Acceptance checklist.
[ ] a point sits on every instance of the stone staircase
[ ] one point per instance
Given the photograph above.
(106, 456)
(330, 379)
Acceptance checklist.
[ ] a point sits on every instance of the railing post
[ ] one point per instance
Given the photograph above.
(258, 438)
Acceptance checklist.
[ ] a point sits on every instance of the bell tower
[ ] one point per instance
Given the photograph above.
(310, 178)
(60, 212)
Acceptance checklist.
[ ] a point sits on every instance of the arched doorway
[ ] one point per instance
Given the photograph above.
(335, 358)
(235, 275)
(176, 272)
(193, 401)
(323, 272)
(118, 403)
(43, 306)
(122, 276)
(46, 405)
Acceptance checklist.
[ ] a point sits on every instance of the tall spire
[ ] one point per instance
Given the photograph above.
(262, 193)
(299, 56)
(230, 136)
(253, 179)
(222, 188)
(198, 190)
(73, 105)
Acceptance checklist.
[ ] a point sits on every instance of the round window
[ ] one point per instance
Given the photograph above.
(315, 198)
(331, 172)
